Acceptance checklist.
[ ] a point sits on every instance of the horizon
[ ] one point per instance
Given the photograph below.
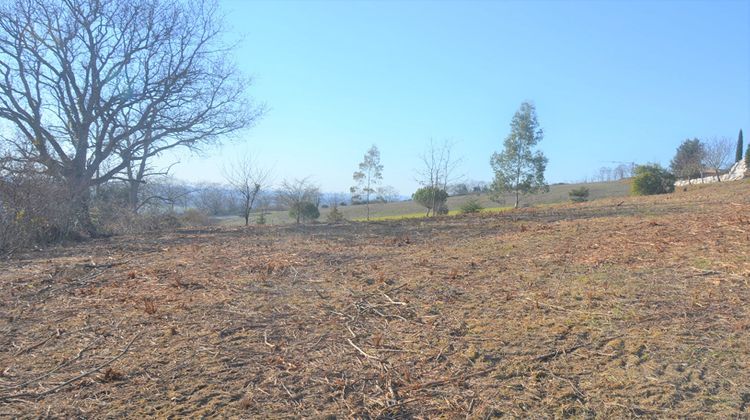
(612, 82)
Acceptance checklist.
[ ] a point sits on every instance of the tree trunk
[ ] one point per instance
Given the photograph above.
(516, 199)
(133, 188)
(80, 201)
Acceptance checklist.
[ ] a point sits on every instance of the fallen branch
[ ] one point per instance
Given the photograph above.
(551, 355)
(39, 344)
(448, 380)
(60, 366)
(560, 308)
(77, 378)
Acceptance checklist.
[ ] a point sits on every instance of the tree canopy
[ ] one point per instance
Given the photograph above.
(688, 160)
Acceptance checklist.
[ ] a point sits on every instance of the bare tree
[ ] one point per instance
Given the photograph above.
(388, 194)
(158, 192)
(718, 154)
(248, 179)
(213, 199)
(99, 84)
(438, 167)
(293, 194)
(621, 171)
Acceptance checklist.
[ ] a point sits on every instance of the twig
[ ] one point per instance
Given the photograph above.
(362, 352)
(551, 355)
(107, 265)
(265, 341)
(417, 387)
(39, 344)
(350, 330)
(471, 406)
(560, 308)
(392, 301)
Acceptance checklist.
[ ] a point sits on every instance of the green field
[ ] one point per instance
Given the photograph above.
(409, 209)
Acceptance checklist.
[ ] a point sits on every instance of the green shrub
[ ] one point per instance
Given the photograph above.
(306, 210)
(335, 215)
(431, 197)
(652, 179)
(471, 206)
(261, 220)
(579, 195)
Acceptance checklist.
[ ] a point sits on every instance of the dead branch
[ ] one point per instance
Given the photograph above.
(60, 366)
(70, 381)
(37, 345)
(551, 355)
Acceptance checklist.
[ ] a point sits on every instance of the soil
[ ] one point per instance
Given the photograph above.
(623, 307)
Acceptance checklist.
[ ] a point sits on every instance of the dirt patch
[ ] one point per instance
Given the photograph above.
(615, 308)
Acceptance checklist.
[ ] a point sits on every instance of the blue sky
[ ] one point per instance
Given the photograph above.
(612, 81)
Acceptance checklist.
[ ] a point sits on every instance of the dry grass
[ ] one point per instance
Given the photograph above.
(617, 308)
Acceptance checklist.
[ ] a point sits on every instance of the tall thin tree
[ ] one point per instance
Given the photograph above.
(368, 177)
(738, 153)
(519, 168)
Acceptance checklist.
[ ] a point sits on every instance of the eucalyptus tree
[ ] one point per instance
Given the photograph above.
(519, 168)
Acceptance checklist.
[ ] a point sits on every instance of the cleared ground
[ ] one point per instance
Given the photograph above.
(617, 308)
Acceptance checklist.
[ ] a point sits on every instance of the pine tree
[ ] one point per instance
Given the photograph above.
(739, 148)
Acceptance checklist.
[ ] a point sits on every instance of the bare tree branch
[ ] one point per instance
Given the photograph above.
(96, 86)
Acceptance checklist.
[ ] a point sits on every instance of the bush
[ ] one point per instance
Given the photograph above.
(579, 195)
(652, 179)
(194, 217)
(306, 210)
(471, 206)
(335, 215)
(427, 196)
(123, 221)
(33, 210)
(261, 220)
